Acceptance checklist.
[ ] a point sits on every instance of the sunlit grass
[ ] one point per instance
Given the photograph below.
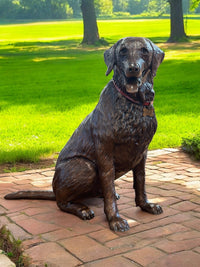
(72, 30)
(49, 84)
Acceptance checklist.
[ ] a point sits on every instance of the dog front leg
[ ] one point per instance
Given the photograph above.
(106, 174)
(140, 194)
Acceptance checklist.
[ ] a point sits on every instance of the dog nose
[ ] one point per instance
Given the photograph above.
(134, 68)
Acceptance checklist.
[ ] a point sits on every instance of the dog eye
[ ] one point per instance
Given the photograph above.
(123, 51)
(144, 51)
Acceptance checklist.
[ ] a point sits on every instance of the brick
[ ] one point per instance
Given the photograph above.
(178, 218)
(185, 196)
(22, 182)
(123, 244)
(36, 227)
(59, 218)
(129, 174)
(194, 170)
(144, 217)
(2, 211)
(104, 235)
(5, 185)
(162, 231)
(195, 214)
(22, 176)
(196, 200)
(117, 261)
(48, 173)
(59, 234)
(128, 178)
(34, 211)
(17, 231)
(85, 227)
(144, 256)
(125, 200)
(125, 190)
(145, 242)
(31, 243)
(9, 179)
(15, 205)
(85, 248)
(176, 246)
(184, 206)
(183, 259)
(123, 206)
(185, 235)
(197, 250)
(193, 184)
(52, 255)
(164, 201)
(18, 217)
(91, 243)
(5, 174)
(194, 224)
(3, 221)
(40, 183)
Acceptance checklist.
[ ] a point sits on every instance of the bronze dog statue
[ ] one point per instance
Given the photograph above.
(113, 139)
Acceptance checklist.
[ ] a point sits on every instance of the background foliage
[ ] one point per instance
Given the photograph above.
(62, 9)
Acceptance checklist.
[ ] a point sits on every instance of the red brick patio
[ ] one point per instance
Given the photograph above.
(59, 239)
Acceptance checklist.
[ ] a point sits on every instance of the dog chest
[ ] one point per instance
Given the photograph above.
(132, 123)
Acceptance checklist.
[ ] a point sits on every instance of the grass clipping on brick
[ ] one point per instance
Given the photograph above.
(12, 248)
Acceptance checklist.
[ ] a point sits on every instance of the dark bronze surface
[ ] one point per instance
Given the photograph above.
(113, 139)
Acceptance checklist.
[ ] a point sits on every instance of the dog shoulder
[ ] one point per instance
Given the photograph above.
(103, 115)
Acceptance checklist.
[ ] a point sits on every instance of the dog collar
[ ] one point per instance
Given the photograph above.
(130, 98)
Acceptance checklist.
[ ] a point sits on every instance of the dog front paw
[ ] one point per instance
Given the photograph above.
(152, 208)
(118, 224)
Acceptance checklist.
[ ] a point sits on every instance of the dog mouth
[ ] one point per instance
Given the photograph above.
(133, 83)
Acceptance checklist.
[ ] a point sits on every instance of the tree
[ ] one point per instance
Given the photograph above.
(8, 9)
(157, 7)
(194, 4)
(120, 5)
(177, 26)
(103, 7)
(75, 5)
(91, 34)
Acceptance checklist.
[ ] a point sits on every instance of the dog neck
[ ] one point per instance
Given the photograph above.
(137, 102)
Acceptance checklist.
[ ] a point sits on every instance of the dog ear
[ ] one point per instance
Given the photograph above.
(109, 58)
(157, 58)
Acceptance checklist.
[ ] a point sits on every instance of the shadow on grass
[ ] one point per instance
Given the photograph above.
(61, 75)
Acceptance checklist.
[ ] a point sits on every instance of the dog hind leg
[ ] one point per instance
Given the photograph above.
(75, 179)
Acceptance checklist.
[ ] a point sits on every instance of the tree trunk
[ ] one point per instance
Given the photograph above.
(177, 25)
(91, 34)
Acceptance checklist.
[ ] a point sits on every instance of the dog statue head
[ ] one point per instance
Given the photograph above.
(134, 61)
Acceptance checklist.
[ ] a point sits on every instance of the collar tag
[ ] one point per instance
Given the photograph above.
(148, 111)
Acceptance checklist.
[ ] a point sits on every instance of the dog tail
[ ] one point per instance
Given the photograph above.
(45, 195)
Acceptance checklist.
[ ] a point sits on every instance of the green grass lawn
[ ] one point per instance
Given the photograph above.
(49, 83)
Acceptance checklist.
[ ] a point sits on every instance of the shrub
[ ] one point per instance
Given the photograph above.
(191, 145)
(121, 14)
